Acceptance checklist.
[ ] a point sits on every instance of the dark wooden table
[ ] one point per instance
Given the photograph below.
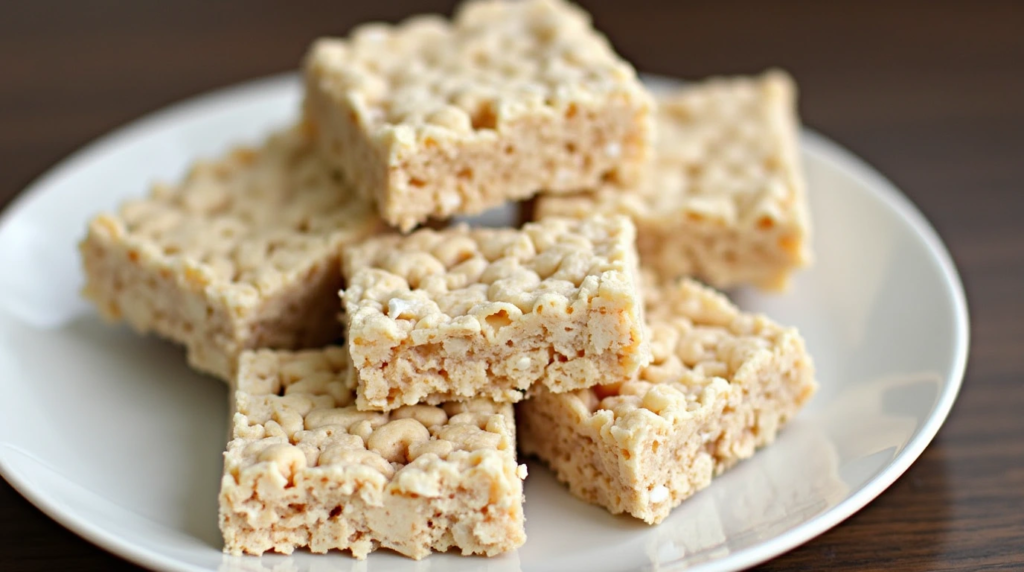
(931, 93)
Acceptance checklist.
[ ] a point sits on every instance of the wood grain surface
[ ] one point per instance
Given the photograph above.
(931, 93)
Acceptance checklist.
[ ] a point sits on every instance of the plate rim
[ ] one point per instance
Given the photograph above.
(810, 142)
(887, 192)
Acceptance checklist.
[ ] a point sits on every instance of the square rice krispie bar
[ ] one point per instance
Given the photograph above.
(304, 468)
(453, 314)
(722, 383)
(244, 253)
(434, 118)
(725, 199)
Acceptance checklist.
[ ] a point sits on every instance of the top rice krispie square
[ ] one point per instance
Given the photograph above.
(433, 118)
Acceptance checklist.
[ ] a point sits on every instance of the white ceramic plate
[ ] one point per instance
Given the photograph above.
(115, 438)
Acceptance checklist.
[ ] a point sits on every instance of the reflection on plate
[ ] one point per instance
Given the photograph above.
(114, 437)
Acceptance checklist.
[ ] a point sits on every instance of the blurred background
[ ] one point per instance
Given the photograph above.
(929, 92)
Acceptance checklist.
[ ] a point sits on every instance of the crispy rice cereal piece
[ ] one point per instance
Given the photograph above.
(304, 468)
(725, 201)
(448, 315)
(722, 384)
(434, 118)
(244, 253)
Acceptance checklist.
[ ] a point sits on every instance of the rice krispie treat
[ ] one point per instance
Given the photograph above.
(725, 199)
(722, 383)
(304, 468)
(244, 253)
(453, 314)
(434, 118)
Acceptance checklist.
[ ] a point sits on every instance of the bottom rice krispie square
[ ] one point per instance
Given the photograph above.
(304, 468)
(722, 383)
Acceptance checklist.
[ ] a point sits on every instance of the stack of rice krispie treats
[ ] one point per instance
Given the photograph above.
(386, 364)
